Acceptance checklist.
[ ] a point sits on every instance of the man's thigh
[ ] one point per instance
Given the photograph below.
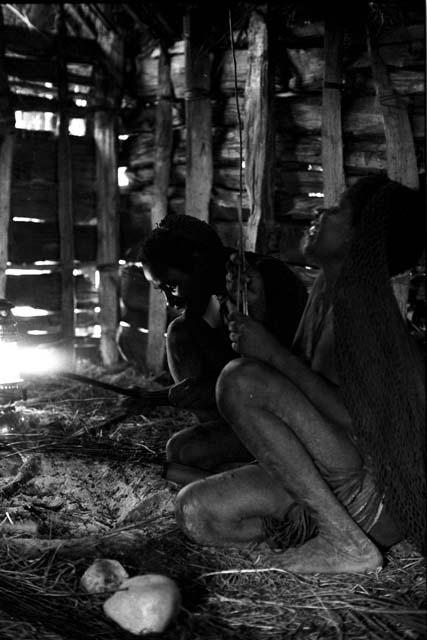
(212, 443)
(265, 406)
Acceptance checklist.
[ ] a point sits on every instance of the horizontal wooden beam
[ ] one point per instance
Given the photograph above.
(31, 42)
(44, 291)
(30, 242)
(41, 70)
(24, 102)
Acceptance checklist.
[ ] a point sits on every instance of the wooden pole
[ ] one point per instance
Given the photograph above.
(65, 206)
(108, 228)
(7, 125)
(332, 144)
(162, 165)
(258, 136)
(400, 148)
(109, 82)
(199, 163)
(6, 159)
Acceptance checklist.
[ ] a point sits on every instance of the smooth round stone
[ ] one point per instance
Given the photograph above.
(103, 575)
(144, 604)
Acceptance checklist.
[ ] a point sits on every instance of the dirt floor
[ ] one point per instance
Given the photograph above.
(81, 477)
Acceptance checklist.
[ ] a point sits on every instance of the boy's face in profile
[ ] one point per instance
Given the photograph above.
(182, 290)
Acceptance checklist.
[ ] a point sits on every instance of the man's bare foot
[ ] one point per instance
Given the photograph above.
(321, 555)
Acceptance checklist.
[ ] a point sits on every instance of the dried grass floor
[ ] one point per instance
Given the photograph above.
(91, 490)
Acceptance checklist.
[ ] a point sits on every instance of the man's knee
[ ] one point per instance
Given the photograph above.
(237, 384)
(192, 514)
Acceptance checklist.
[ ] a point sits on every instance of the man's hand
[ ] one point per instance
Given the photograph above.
(193, 393)
(254, 283)
(249, 338)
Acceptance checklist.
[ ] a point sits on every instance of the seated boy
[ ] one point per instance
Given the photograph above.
(185, 258)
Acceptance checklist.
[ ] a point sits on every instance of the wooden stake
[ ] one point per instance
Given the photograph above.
(259, 138)
(332, 144)
(65, 208)
(400, 148)
(162, 164)
(199, 165)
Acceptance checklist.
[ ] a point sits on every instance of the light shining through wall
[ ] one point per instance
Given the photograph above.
(10, 372)
(122, 178)
(29, 312)
(33, 361)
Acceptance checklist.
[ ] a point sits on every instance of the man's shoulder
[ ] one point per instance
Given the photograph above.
(275, 269)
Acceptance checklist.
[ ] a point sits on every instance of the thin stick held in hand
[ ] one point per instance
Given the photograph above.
(242, 287)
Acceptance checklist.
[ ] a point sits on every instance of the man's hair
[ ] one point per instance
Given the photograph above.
(381, 372)
(176, 240)
(404, 217)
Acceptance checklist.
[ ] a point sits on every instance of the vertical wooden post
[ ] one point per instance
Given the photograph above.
(6, 159)
(108, 95)
(199, 164)
(7, 125)
(65, 205)
(400, 148)
(105, 136)
(258, 136)
(332, 144)
(162, 165)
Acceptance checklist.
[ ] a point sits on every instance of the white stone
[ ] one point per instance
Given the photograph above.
(144, 604)
(103, 575)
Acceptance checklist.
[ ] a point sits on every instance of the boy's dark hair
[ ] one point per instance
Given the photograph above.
(176, 240)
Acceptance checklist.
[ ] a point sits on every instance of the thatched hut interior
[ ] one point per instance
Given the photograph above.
(248, 115)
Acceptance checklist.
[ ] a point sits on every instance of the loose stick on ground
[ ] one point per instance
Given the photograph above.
(26, 472)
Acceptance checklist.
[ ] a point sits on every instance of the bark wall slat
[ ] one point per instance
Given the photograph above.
(259, 137)
(332, 142)
(400, 148)
(198, 111)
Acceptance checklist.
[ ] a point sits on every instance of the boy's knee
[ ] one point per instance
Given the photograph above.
(179, 448)
(178, 331)
(173, 448)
